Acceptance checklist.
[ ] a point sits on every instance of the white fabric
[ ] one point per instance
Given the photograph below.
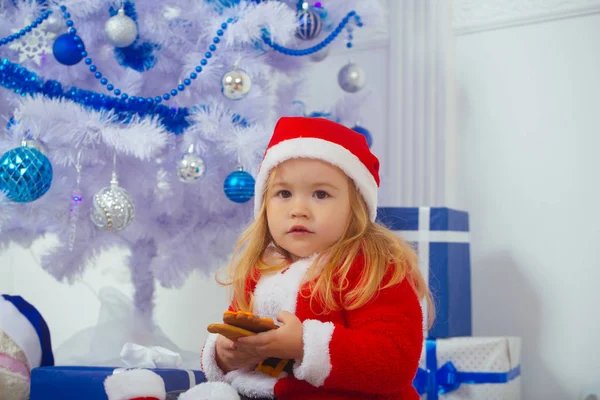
(322, 150)
(125, 385)
(252, 383)
(117, 325)
(211, 370)
(137, 356)
(316, 364)
(481, 354)
(278, 292)
(210, 391)
(21, 331)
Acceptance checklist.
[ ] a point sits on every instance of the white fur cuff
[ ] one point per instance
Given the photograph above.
(211, 370)
(316, 364)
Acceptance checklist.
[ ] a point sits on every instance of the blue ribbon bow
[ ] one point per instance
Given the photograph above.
(434, 381)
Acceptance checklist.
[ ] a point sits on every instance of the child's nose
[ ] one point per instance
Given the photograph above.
(300, 210)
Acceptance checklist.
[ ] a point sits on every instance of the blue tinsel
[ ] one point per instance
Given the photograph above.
(24, 82)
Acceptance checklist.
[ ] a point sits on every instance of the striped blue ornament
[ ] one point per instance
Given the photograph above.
(239, 186)
(309, 25)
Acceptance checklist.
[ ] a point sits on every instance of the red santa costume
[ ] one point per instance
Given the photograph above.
(367, 353)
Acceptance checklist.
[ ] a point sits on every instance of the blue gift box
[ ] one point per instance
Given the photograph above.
(78, 383)
(441, 236)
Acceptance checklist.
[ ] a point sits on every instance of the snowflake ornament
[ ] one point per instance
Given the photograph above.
(34, 46)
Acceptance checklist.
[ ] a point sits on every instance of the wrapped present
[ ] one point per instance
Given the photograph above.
(77, 383)
(441, 237)
(468, 368)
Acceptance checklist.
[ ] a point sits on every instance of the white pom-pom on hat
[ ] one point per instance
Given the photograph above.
(135, 383)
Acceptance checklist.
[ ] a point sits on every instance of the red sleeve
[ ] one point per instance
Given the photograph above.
(377, 352)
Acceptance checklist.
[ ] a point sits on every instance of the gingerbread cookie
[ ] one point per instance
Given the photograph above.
(248, 321)
(241, 323)
(238, 324)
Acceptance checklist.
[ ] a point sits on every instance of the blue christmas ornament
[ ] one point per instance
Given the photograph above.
(239, 186)
(228, 3)
(365, 133)
(25, 174)
(309, 25)
(67, 50)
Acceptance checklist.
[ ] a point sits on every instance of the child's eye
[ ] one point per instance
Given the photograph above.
(284, 194)
(321, 194)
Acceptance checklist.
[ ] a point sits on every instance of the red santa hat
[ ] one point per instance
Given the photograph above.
(135, 384)
(321, 139)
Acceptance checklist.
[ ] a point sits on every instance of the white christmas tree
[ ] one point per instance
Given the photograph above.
(141, 123)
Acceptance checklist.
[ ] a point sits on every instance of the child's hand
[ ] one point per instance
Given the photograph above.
(285, 343)
(229, 357)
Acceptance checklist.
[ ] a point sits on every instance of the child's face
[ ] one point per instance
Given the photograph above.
(308, 206)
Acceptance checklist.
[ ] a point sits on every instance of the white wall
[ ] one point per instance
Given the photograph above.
(529, 127)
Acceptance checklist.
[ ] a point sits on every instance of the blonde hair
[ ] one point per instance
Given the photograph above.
(381, 249)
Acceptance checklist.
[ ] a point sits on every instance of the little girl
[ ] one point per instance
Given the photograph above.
(344, 289)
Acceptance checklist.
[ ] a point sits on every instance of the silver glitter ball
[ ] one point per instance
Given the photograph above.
(190, 168)
(53, 24)
(351, 78)
(121, 31)
(236, 84)
(112, 209)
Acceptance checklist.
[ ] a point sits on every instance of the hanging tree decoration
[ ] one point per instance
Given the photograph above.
(309, 23)
(113, 208)
(121, 30)
(190, 167)
(76, 199)
(25, 174)
(351, 78)
(236, 84)
(239, 186)
(67, 49)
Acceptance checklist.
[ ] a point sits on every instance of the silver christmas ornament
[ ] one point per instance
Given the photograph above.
(236, 84)
(190, 167)
(320, 55)
(112, 208)
(121, 31)
(53, 24)
(351, 78)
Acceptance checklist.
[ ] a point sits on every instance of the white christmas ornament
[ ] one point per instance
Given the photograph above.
(121, 31)
(236, 84)
(351, 78)
(113, 208)
(190, 167)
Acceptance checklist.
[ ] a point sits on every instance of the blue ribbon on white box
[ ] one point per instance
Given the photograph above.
(442, 238)
(446, 379)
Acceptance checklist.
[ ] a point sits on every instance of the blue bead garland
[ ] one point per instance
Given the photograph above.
(266, 37)
(173, 92)
(25, 30)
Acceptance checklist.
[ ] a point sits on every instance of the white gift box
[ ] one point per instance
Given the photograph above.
(470, 368)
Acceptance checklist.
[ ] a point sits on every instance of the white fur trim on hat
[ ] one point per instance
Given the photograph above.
(319, 149)
(211, 391)
(134, 383)
(21, 331)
